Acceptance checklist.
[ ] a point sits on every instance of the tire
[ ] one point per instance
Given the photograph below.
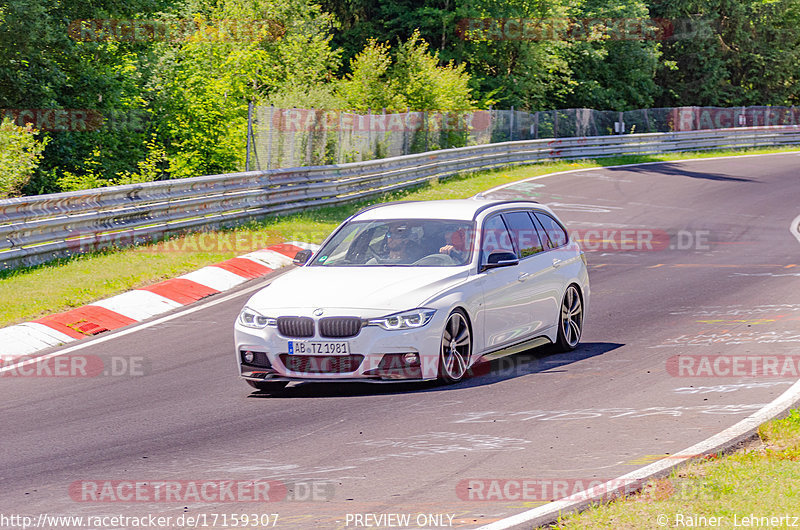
(267, 386)
(570, 321)
(456, 348)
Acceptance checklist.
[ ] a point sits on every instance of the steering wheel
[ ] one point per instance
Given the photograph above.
(435, 259)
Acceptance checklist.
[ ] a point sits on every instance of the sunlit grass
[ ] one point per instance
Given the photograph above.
(762, 480)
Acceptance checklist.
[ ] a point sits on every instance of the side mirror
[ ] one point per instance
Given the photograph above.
(302, 257)
(500, 258)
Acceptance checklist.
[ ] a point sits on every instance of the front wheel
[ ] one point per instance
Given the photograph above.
(456, 348)
(571, 320)
(267, 386)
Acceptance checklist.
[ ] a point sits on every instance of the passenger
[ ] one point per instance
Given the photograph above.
(456, 249)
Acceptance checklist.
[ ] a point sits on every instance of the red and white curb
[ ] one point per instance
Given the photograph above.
(140, 304)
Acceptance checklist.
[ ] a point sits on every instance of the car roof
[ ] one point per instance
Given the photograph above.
(455, 209)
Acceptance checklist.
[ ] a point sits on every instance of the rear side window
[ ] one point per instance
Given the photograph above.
(523, 233)
(495, 236)
(556, 234)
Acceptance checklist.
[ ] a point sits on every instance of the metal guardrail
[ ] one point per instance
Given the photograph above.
(37, 229)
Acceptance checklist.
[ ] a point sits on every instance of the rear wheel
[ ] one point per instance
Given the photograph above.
(267, 386)
(456, 348)
(570, 324)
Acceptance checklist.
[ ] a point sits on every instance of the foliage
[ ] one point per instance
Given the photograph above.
(20, 153)
(414, 79)
(307, 97)
(177, 107)
(731, 52)
(205, 84)
(370, 85)
(426, 85)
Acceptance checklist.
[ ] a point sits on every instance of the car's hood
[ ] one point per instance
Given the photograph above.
(382, 289)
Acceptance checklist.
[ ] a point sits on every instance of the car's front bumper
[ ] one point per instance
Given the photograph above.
(375, 355)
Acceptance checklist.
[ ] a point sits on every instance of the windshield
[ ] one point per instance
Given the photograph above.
(396, 242)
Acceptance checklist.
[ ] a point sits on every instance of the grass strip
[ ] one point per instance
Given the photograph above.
(754, 487)
(30, 292)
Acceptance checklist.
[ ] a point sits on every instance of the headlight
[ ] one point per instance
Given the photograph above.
(416, 318)
(253, 319)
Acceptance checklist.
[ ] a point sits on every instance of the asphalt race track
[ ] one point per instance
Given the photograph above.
(708, 266)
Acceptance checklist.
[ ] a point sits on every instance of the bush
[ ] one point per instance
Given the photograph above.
(20, 154)
(414, 80)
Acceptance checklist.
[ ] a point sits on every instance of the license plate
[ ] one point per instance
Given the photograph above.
(301, 347)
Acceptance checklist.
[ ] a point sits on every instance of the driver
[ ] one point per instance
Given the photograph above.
(399, 245)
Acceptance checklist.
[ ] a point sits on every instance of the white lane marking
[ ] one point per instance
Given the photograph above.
(138, 305)
(134, 328)
(591, 208)
(490, 416)
(794, 228)
(214, 277)
(740, 337)
(568, 171)
(779, 405)
(735, 310)
(728, 388)
(770, 274)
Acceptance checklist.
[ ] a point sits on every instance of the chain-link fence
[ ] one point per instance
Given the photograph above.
(279, 138)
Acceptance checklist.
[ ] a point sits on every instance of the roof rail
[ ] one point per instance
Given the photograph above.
(503, 201)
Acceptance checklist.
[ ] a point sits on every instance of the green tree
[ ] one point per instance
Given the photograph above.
(370, 85)
(612, 56)
(414, 79)
(426, 85)
(43, 66)
(20, 154)
(204, 84)
(730, 52)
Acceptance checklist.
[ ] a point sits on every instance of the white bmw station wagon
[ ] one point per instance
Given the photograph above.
(414, 291)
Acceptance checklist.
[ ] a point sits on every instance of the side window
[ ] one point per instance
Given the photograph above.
(556, 234)
(495, 236)
(523, 233)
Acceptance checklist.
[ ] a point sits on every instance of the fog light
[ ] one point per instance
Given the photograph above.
(248, 357)
(411, 359)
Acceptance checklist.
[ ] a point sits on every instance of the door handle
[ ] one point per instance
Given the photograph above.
(556, 262)
(523, 276)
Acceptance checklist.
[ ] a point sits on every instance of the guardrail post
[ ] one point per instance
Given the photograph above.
(555, 124)
(249, 134)
(425, 123)
(339, 140)
(406, 147)
(369, 133)
(511, 124)
(536, 125)
(269, 137)
(310, 138)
